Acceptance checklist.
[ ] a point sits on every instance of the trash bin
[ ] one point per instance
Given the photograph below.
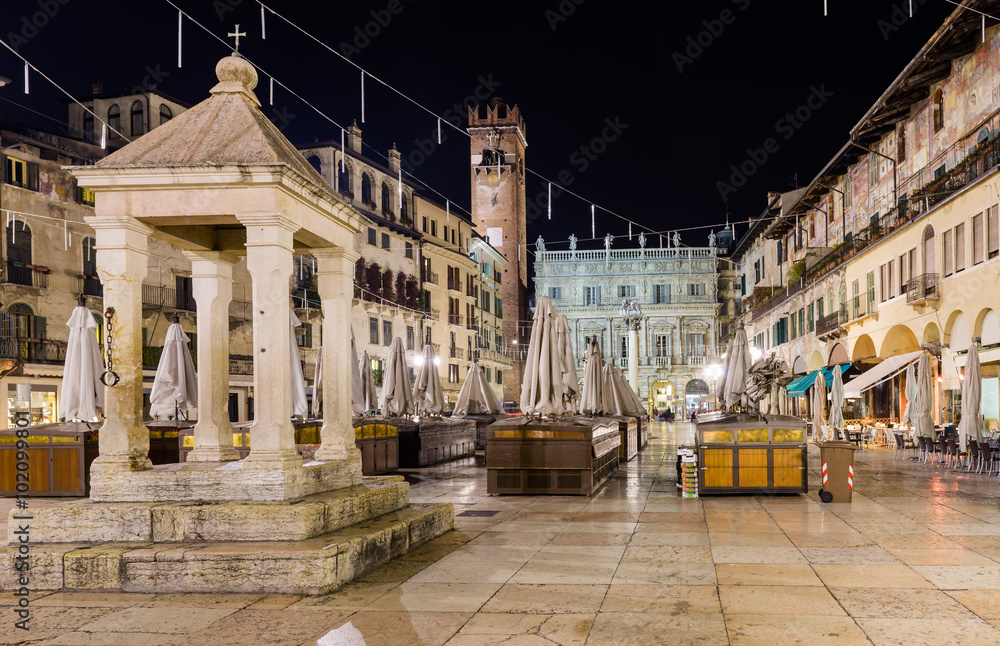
(837, 458)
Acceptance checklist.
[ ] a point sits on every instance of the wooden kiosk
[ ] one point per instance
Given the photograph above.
(749, 453)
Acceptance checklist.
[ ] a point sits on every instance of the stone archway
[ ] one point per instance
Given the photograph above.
(988, 327)
(816, 361)
(958, 332)
(931, 334)
(838, 355)
(799, 366)
(864, 348)
(899, 340)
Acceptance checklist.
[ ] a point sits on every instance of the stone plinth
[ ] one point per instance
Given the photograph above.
(223, 481)
(313, 566)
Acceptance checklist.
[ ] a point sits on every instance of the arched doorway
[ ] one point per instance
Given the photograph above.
(696, 396)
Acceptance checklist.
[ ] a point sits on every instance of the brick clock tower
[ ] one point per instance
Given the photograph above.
(498, 213)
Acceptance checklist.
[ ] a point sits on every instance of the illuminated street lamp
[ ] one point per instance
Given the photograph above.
(713, 372)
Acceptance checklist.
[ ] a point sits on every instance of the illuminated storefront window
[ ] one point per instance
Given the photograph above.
(35, 402)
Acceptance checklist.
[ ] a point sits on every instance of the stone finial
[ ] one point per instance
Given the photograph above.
(235, 74)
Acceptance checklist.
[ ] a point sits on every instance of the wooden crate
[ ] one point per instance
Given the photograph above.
(749, 454)
(572, 456)
(435, 440)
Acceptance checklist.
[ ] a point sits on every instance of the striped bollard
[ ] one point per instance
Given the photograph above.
(850, 476)
(825, 477)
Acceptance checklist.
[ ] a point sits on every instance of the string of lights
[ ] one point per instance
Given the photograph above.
(105, 126)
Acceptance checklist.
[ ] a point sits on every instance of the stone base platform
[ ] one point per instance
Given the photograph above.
(223, 481)
(308, 546)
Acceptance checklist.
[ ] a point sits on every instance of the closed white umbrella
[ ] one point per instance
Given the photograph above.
(909, 389)
(837, 400)
(476, 396)
(300, 405)
(175, 387)
(619, 398)
(592, 394)
(397, 397)
(369, 396)
(564, 345)
(82, 390)
(819, 401)
(972, 391)
(542, 384)
(738, 362)
(357, 403)
(427, 388)
(923, 398)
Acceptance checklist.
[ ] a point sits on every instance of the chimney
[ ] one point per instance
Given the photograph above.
(394, 158)
(97, 88)
(354, 138)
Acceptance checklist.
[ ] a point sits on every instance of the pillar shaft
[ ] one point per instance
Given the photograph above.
(335, 283)
(122, 256)
(269, 261)
(633, 356)
(212, 282)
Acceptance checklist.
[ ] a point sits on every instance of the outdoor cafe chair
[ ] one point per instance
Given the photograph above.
(974, 457)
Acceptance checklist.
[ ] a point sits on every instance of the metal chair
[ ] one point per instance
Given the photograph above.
(974, 456)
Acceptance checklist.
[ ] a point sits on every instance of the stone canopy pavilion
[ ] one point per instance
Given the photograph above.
(220, 181)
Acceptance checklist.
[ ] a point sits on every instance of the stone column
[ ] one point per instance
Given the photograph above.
(122, 256)
(212, 281)
(633, 354)
(269, 261)
(335, 283)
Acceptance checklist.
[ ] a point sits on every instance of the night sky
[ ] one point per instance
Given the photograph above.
(690, 86)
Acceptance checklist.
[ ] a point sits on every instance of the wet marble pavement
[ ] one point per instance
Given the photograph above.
(914, 559)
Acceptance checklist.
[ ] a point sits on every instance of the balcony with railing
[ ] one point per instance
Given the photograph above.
(240, 364)
(832, 325)
(922, 289)
(455, 285)
(17, 273)
(859, 307)
(45, 351)
(471, 323)
(456, 353)
(162, 297)
(493, 355)
(429, 277)
(89, 285)
(670, 253)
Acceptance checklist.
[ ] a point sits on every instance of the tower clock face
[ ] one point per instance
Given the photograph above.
(493, 200)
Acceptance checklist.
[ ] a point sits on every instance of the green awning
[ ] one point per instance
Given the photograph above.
(797, 387)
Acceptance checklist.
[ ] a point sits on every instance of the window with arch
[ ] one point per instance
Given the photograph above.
(25, 324)
(930, 261)
(166, 114)
(386, 199)
(402, 208)
(938, 109)
(843, 298)
(344, 179)
(114, 121)
(315, 162)
(138, 118)
(366, 189)
(19, 253)
(829, 301)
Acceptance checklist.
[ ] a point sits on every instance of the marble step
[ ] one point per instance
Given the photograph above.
(312, 566)
(84, 521)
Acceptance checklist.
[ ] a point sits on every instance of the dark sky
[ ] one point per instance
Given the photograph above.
(573, 67)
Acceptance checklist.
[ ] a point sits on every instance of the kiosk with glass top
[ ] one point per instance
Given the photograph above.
(750, 453)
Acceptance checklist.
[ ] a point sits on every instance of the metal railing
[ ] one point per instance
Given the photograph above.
(455, 285)
(672, 253)
(430, 277)
(921, 288)
(33, 350)
(456, 353)
(20, 274)
(455, 319)
(240, 364)
(162, 296)
(831, 322)
(471, 323)
(90, 285)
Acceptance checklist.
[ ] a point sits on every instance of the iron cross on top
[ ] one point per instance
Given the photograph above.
(237, 35)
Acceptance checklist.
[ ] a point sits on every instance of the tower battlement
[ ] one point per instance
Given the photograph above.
(496, 113)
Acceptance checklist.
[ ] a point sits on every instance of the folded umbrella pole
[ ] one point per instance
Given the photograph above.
(175, 387)
(82, 391)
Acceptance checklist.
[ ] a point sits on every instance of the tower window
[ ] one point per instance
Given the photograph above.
(114, 121)
(938, 110)
(138, 118)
